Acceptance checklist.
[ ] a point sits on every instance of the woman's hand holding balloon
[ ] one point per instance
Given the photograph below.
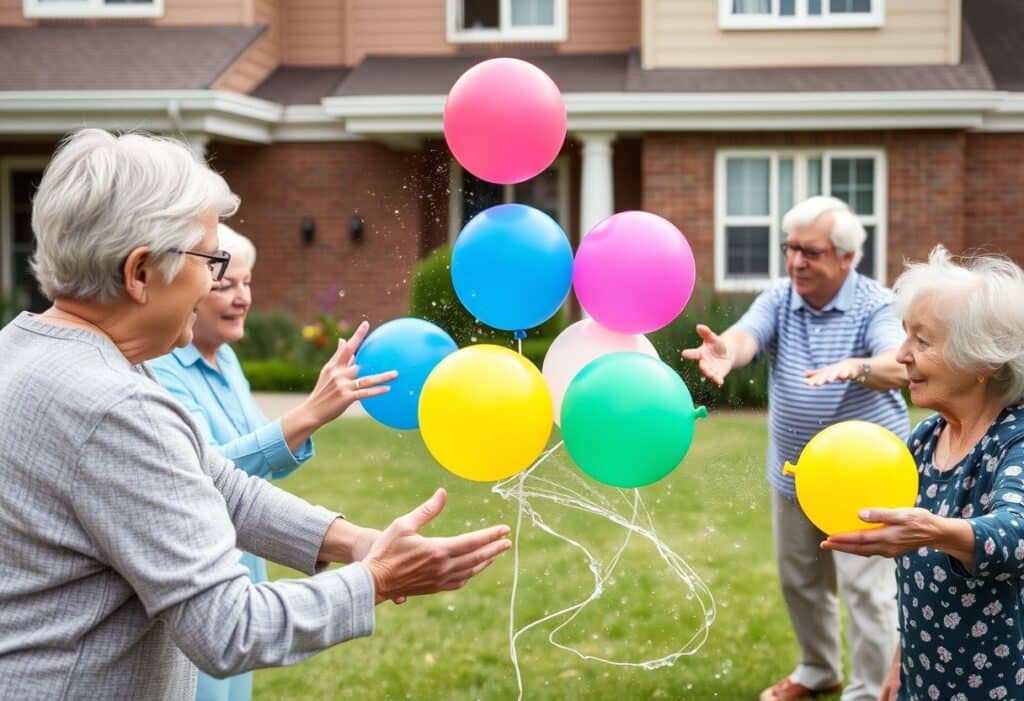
(905, 530)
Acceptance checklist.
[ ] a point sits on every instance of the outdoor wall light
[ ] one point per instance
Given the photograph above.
(308, 229)
(356, 226)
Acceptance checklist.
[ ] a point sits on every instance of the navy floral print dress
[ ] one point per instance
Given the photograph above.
(963, 632)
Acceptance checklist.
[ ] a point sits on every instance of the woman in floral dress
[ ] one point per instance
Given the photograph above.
(960, 552)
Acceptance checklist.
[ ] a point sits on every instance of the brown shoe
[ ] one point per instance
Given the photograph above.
(786, 689)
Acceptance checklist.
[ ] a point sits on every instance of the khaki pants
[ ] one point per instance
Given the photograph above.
(809, 577)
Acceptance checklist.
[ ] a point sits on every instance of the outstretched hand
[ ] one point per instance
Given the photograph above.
(904, 530)
(404, 563)
(339, 386)
(843, 371)
(712, 356)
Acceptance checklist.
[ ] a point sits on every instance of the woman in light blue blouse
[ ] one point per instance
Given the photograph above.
(960, 552)
(206, 378)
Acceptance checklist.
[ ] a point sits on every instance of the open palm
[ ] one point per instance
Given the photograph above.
(712, 356)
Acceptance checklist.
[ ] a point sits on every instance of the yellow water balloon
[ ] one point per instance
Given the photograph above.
(485, 413)
(849, 466)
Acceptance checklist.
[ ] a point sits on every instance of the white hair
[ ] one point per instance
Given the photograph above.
(847, 232)
(236, 244)
(102, 196)
(982, 303)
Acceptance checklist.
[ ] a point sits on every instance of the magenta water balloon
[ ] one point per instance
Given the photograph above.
(505, 120)
(634, 272)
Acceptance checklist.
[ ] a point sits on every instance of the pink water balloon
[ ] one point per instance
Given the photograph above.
(634, 272)
(504, 120)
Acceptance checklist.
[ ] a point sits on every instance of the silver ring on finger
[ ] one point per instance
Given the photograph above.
(357, 383)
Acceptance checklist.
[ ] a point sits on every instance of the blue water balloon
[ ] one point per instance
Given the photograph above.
(412, 347)
(512, 267)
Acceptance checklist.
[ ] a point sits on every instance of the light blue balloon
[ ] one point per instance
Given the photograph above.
(512, 267)
(412, 347)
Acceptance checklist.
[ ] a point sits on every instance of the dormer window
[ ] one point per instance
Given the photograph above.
(78, 9)
(800, 14)
(506, 20)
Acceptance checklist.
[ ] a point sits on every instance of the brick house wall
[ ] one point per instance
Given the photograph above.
(330, 182)
(926, 185)
(994, 194)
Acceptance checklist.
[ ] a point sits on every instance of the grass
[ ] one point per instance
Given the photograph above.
(712, 511)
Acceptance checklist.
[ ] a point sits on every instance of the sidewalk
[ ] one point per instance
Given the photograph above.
(274, 404)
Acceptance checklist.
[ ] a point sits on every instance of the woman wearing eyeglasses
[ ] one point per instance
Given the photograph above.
(119, 573)
(206, 377)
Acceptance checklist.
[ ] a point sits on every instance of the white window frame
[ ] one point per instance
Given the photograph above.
(505, 32)
(727, 19)
(78, 9)
(560, 165)
(878, 220)
(7, 166)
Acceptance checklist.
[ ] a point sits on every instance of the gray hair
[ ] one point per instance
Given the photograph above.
(236, 244)
(847, 232)
(103, 196)
(986, 317)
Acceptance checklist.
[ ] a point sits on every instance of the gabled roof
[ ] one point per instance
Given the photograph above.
(118, 57)
(999, 26)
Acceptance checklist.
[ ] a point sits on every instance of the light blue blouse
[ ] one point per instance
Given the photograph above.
(222, 405)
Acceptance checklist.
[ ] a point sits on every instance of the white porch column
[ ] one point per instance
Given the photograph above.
(597, 184)
(597, 187)
(197, 144)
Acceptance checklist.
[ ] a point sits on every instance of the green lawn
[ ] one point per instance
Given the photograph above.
(712, 511)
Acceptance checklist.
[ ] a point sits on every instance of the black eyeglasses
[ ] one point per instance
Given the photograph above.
(808, 253)
(217, 261)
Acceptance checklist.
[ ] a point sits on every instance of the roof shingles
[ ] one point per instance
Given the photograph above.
(119, 57)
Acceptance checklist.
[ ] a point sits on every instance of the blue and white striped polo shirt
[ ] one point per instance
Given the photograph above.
(857, 323)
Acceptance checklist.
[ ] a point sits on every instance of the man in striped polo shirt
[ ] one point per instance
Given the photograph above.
(831, 339)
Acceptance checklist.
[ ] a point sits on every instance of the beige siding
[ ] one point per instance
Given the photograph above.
(11, 14)
(397, 27)
(199, 12)
(684, 33)
(419, 27)
(603, 26)
(255, 64)
(313, 33)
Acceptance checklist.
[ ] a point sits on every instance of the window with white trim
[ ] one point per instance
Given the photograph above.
(93, 8)
(800, 14)
(755, 188)
(506, 20)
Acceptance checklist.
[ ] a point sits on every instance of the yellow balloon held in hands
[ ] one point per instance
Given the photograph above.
(485, 413)
(849, 466)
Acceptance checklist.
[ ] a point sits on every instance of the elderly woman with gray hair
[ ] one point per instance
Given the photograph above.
(206, 378)
(118, 523)
(960, 551)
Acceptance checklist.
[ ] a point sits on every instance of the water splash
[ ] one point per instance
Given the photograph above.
(630, 512)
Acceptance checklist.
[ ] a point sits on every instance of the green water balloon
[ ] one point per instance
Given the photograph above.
(628, 419)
